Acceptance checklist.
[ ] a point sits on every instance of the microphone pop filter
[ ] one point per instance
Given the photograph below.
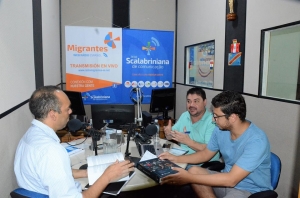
(151, 129)
(74, 125)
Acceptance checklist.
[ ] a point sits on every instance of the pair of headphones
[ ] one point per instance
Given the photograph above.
(133, 92)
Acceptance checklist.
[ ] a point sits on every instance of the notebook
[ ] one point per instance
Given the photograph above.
(115, 187)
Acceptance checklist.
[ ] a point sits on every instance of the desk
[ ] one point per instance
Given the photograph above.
(137, 182)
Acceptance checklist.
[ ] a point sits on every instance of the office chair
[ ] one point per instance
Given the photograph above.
(23, 193)
(275, 175)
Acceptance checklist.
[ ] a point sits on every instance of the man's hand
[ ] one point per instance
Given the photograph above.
(168, 129)
(180, 178)
(118, 170)
(168, 156)
(181, 137)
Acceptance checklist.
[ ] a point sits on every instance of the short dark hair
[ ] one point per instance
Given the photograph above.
(197, 90)
(43, 100)
(230, 102)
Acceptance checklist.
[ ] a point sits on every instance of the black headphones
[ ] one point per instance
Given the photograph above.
(134, 91)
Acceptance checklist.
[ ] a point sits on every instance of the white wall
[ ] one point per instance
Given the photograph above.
(51, 42)
(17, 74)
(16, 51)
(200, 21)
(16, 79)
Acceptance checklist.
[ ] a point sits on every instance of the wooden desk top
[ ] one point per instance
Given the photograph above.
(65, 136)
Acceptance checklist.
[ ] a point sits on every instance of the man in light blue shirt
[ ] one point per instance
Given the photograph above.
(245, 149)
(194, 127)
(43, 165)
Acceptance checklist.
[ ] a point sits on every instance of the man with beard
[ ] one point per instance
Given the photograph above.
(245, 149)
(195, 126)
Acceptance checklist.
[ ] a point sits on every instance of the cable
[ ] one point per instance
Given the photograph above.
(138, 101)
(139, 106)
(72, 140)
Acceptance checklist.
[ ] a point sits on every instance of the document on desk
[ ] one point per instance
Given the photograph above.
(98, 164)
(148, 156)
(72, 150)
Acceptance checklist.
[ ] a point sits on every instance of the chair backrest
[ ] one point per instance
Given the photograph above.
(23, 193)
(275, 170)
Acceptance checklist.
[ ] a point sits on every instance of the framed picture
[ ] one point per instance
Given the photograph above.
(199, 64)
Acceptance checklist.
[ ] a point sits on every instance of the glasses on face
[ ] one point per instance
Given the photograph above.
(216, 117)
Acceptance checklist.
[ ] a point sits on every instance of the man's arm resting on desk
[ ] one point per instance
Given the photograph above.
(195, 158)
(197, 175)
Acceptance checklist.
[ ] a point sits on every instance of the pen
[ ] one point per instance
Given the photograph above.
(187, 132)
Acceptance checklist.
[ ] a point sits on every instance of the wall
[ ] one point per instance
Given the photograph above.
(278, 119)
(17, 76)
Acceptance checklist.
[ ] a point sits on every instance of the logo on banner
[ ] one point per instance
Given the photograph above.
(149, 47)
(86, 96)
(110, 41)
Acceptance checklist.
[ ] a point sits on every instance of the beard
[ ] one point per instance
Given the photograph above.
(226, 127)
(194, 112)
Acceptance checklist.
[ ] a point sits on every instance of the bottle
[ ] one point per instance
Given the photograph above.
(156, 135)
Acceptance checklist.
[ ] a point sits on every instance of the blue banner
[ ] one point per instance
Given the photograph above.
(147, 62)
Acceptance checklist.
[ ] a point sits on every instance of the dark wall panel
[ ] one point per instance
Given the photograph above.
(234, 75)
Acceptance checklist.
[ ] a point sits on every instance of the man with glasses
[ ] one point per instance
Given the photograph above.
(245, 150)
(194, 127)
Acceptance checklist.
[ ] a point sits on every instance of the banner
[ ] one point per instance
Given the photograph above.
(147, 61)
(106, 63)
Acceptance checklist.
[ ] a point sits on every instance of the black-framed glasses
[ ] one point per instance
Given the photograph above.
(216, 117)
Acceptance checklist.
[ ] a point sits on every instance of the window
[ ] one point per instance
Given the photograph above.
(279, 68)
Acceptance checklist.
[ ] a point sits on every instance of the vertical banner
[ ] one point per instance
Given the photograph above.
(147, 61)
(105, 64)
(94, 63)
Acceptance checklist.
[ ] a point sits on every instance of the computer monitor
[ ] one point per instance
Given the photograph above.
(162, 100)
(116, 115)
(77, 105)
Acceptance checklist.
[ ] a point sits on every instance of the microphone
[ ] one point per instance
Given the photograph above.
(151, 129)
(75, 125)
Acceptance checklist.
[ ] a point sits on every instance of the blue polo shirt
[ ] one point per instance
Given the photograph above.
(250, 151)
(200, 131)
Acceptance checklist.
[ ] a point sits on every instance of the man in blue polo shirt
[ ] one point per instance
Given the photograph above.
(245, 150)
(195, 126)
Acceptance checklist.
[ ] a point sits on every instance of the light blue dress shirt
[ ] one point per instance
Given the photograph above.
(42, 165)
